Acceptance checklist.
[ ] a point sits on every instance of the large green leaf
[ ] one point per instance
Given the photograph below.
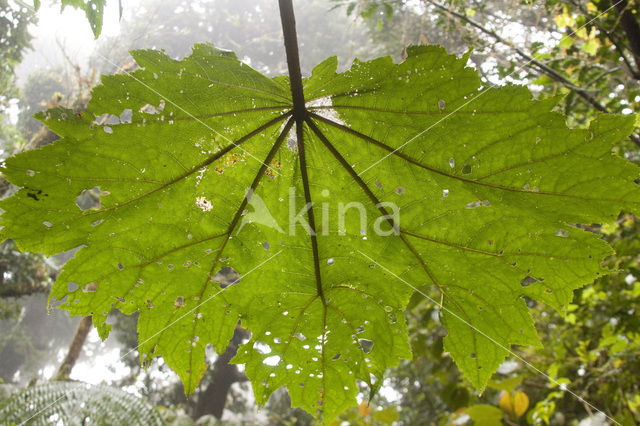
(201, 171)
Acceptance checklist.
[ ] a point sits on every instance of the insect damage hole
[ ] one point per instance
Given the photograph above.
(271, 361)
(226, 276)
(92, 287)
(366, 345)
(528, 280)
(89, 199)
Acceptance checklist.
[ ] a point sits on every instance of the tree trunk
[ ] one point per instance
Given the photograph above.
(630, 26)
(214, 397)
(75, 349)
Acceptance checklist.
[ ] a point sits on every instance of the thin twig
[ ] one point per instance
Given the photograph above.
(530, 59)
(631, 70)
(533, 61)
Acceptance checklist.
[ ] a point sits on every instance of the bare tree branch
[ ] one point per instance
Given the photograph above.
(542, 67)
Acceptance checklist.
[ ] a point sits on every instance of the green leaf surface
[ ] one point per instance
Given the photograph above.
(485, 415)
(387, 415)
(197, 167)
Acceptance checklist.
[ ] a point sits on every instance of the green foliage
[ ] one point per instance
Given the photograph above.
(596, 53)
(76, 403)
(487, 184)
(14, 39)
(598, 338)
(22, 273)
(485, 415)
(39, 88)
(11, 140)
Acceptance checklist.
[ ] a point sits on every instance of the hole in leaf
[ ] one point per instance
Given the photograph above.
(226, 276)
(366, 345)
(262, 347)
(90, 288)
(271, 361)
(477, 203)
(528, 280)
(126, 116)
(89, 199)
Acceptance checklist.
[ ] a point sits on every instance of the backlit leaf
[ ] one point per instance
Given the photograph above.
(193, 166)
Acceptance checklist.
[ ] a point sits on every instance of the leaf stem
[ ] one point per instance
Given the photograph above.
(293, 59)
(300, 114)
